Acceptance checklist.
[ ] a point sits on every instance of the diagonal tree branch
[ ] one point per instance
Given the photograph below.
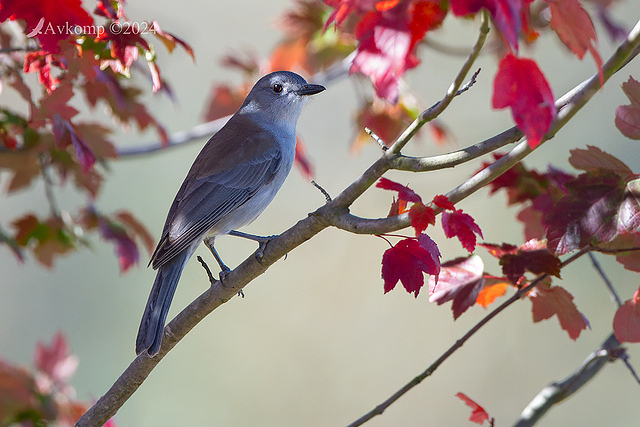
(558, 391)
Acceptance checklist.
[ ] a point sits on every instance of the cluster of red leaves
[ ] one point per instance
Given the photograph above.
(79, 54)
(407, 260)
(44, 395)
(388, 33)
(599, 208)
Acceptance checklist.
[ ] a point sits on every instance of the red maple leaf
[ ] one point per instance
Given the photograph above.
(478, 414)
(459, 280)
(406, 262)
(547, 301)
(443, 202)
(461, 225)
(404, 192)
(421, 217)
(50, 22)
(507, 15)
(628, 116)
(626, 322)
(520, 85)
(387, 40)
(575, 28)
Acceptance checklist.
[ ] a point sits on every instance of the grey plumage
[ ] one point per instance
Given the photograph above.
(233, 179)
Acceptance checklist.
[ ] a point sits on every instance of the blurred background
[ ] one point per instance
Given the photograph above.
(315, 341)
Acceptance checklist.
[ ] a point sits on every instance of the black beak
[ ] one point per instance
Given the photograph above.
(310, 89)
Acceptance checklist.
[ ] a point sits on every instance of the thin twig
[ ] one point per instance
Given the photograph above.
(206, 268)
(612, 292)
(324, 192)
(48, 187)
(376, 138)
(439, 107)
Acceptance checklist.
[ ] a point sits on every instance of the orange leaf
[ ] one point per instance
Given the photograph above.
(490, 292)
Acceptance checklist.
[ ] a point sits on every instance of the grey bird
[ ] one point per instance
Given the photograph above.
(231, 182)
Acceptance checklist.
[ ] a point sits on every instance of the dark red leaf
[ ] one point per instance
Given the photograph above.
(499, 251)
(548, 301)
(533, 256)
(478, 414)
(626, 322)
(406, 262)
(596, 208)
(459, 280)
(521, 86)
(404, 192)
(461, 225)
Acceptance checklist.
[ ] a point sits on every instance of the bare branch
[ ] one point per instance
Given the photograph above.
(612, 292)
(558, 391)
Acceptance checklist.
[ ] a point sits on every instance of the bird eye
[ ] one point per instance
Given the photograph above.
(277, 88)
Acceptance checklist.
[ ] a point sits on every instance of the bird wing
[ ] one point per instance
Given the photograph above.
(211, 192)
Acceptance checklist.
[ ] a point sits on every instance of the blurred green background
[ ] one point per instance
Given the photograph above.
(315, 341)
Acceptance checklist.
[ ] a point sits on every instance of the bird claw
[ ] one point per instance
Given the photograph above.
(262, 245)
(223, 274)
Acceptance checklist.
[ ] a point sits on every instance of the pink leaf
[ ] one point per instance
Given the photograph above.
(460, 280)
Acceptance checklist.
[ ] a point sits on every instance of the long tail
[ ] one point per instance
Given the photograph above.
(155, 313)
